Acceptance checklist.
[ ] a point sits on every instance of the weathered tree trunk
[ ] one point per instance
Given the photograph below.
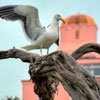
(46, 72)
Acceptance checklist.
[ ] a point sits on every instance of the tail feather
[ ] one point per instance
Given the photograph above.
(28, 47)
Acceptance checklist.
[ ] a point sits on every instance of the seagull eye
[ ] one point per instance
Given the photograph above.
(58, 15)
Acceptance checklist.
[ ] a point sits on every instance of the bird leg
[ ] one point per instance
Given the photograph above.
(47, 51)
(41, 52)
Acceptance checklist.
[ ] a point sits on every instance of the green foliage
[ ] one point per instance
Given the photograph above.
(10, 98)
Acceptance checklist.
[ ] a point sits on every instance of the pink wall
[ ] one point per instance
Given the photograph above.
(61, 94)
(87, 33)
(28, 93)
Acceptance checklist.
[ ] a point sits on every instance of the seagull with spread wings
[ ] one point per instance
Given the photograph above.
(40, 37)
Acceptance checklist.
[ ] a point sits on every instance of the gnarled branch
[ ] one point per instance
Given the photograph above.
(90, 47)
(20, 54)
(26, 56)
(45, 73)
(79, 83)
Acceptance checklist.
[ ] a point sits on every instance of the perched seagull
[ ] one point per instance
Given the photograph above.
(40, 37)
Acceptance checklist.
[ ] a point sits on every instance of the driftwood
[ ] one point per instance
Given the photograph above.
(47, 71)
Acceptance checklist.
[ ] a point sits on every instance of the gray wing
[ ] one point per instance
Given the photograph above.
(27, 14)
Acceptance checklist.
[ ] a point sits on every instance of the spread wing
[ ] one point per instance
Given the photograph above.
(27, 14)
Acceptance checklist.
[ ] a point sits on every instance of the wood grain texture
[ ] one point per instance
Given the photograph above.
(47, 71)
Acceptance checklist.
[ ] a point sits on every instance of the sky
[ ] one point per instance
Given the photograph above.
(12, 71)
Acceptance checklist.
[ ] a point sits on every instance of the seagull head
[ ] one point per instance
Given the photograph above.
(59, 17)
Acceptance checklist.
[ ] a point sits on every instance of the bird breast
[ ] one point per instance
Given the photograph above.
(50, 38)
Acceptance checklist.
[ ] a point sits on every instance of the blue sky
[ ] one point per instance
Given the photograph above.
(12, 71)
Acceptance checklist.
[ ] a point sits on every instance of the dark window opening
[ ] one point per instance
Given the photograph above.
(93, 69)
(77, 35)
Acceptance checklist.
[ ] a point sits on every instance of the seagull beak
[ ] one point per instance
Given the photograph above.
(63, 20)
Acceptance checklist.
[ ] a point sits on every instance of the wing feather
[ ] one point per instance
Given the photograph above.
(57, 42)
(8, 13)
(28, 15)
(15, 12)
